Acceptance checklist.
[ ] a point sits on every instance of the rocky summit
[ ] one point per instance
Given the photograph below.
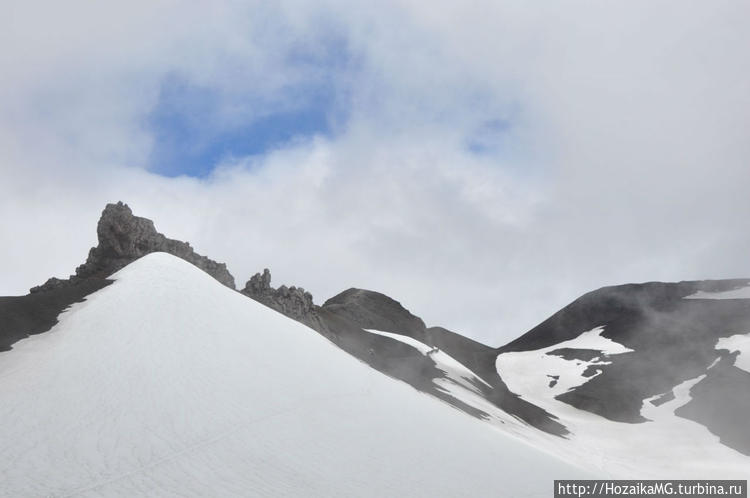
(292, 301)
(123, 238)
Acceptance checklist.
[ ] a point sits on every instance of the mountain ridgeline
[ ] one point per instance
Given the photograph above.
(122, 239)
(667, 340)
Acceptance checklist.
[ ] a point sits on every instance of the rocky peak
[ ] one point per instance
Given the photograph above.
(123, 238)
(259, 284)
(293, 302)
(373, 310)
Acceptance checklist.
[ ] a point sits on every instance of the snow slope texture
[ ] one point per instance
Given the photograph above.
(167, 383)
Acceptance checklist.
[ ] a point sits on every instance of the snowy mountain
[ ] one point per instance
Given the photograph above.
(166, 383)
(142, 375)
(633, 381)
(630, 353)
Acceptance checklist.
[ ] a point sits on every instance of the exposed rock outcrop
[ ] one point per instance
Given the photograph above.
(672, 331)
(22, 316)
(52, 284)
(345, 318)
(123, 238)
(293, 302)
(373, 310)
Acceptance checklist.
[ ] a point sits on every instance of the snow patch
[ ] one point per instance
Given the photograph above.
(453, 369)
(667, 445)
(739, 343)
(741, 293)
(666, 410)
(593, 339)
(532, 370)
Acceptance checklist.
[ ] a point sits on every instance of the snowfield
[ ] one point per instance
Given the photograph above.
(525, 367)
(166, 383)
(741, 344)
(665, 446)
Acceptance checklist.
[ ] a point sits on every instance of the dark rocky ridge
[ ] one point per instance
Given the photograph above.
(373, 310)
(342, 325)
(387, 355)
(623, 304)
(293, 302)
(344, 318)
(123, 238)
(22, 316)
(673, 340)
(721, 402)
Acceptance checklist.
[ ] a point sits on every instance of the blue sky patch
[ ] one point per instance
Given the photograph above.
(489, 137)
(191, 136)
(196, 127)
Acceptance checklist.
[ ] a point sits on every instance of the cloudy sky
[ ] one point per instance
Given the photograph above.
(483, 162)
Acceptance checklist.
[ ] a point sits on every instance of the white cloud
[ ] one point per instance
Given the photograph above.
(625, 158)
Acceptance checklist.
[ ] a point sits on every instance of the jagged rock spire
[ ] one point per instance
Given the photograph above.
(123, 238)
(292, 301)
(259, 284)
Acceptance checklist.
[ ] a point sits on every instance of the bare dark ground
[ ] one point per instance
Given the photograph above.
(22, 316)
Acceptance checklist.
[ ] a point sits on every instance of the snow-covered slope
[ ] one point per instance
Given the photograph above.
(379, 331)
(548, 372)
(167, 383)
(644, 382)
(456, 372)
(648, 378)
(664, 445)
